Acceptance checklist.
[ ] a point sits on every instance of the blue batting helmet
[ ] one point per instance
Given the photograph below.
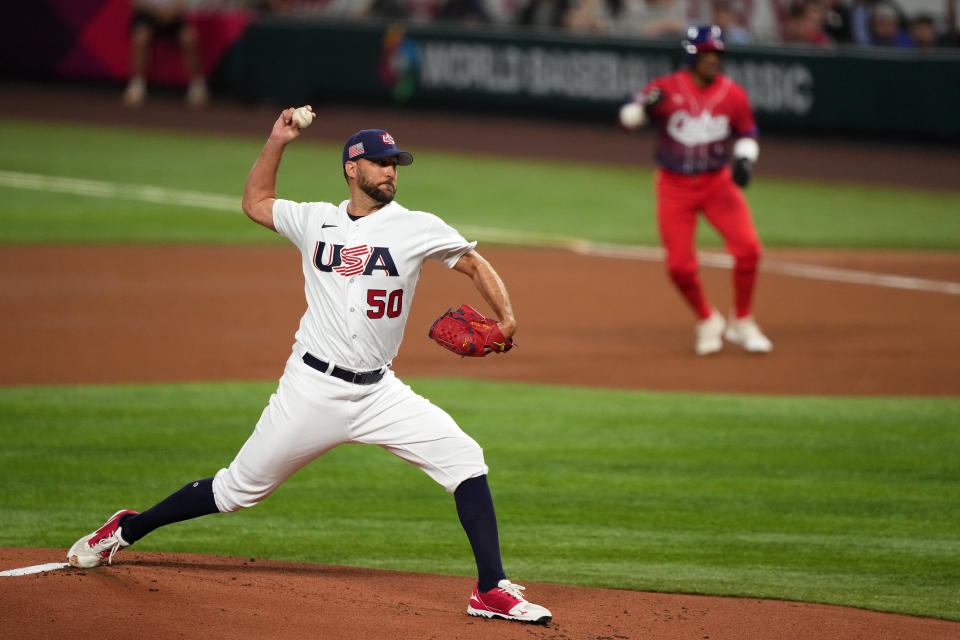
(705, 38)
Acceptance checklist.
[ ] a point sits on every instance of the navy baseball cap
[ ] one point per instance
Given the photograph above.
(374, 144)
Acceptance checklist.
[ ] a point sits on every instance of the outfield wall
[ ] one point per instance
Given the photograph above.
(839, 91)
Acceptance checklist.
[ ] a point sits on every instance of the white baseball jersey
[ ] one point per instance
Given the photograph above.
(360, 276)
(359, 280)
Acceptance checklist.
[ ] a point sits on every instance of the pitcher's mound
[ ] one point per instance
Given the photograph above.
(155, 595)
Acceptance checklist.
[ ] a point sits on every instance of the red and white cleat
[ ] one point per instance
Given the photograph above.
(99, 547)
(506, 602)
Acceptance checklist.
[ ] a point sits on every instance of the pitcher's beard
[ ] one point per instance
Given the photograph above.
(380, 195)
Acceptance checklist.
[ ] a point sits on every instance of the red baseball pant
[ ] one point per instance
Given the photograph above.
(680, 198)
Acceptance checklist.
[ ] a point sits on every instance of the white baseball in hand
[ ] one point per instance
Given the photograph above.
(632, 115)
(302, 117)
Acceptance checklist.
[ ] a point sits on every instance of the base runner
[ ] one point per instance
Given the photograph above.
(703, 117)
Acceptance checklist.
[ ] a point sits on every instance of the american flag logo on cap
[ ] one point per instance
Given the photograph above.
(387, 138)
(355, 150)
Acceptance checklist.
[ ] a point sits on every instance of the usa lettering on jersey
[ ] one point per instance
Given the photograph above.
(353, 261)
(356, 314)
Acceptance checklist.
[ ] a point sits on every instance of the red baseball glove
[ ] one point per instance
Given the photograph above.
(467, 333)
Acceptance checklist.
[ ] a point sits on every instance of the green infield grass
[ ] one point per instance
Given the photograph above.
(851, 501)
(554, 199)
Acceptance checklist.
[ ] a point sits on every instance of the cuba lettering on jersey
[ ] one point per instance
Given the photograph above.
(360, 275)
(697, 126)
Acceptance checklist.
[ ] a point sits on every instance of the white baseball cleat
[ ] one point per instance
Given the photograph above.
(710, 334)
(197, 93)
(746, 333)
(100, 546)
(135, 93)
(506, 602)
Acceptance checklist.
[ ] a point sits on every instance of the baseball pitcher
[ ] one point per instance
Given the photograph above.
(361, 260)
(702, 118)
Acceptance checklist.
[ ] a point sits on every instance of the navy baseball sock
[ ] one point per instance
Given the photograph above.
(475, 508)
(193, 500)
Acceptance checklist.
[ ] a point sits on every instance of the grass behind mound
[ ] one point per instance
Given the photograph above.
(594, 202)
(841, 500)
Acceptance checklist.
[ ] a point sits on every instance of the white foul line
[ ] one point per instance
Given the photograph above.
(37, 568)
(202, 200)
(800, 270)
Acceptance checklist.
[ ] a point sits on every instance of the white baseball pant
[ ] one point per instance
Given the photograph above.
(312, 412)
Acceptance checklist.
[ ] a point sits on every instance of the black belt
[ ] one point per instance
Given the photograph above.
(356, 377)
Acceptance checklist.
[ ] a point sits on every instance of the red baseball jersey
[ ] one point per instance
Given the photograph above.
(697, 126)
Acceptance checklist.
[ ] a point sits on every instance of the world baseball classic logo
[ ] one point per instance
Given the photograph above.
(399, 63)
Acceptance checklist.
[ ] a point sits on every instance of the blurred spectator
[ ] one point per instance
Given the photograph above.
(951, 38)
(860, 21)
(301, 7)
(724, 17)
(923, 31)
(421, 10)
(805, 24)
(818, 22)
(649, 18)
(395, 9)
(544, 13)
(504, 12)
(885, 28)
(471, 11)
(588, 15)
(836, 23)
(762, 20)
(163, 19)
(342, 8)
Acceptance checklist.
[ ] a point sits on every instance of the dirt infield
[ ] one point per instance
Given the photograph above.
(161, 596)
(125, 314)
(114, 316)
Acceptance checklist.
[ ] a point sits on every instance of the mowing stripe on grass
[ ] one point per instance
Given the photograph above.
(99, 189)
(217, 202)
